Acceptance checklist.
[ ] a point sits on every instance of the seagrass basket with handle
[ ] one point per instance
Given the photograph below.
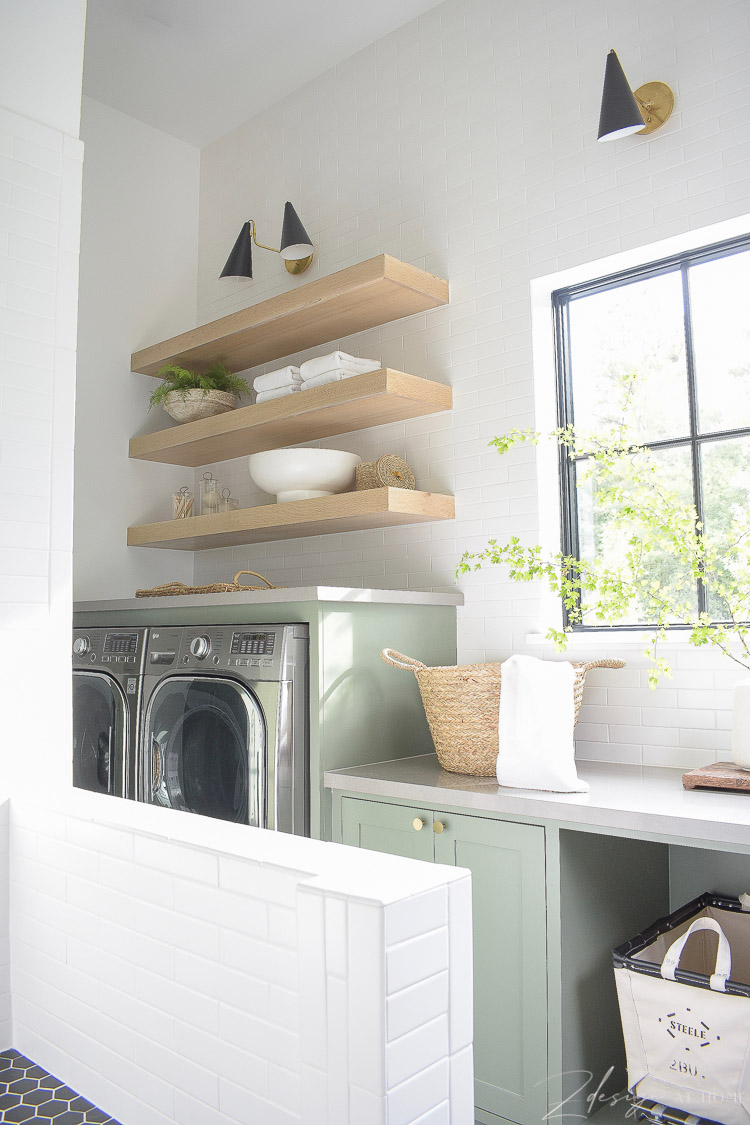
(461, 703)
(175, 589)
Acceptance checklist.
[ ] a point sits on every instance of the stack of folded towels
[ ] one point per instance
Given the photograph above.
(330, 368)
(276, 384)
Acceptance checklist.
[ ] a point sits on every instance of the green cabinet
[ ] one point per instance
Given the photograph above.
(387, 828)
(507, 863)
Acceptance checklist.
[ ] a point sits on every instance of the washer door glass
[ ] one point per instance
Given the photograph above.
(99, 733)
(205, 749)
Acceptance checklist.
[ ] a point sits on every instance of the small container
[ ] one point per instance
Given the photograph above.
(228, 503)
(210, 495)
(182, 503)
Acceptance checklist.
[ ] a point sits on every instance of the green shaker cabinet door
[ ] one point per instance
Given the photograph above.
(387, 828)
(507, 867)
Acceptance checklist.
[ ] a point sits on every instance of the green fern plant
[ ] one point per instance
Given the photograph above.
(180, 380)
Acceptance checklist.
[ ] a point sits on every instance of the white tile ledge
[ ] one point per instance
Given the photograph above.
(323, 867)
(647, 800)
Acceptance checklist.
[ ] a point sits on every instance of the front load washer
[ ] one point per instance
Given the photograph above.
(107, 679)
(225, 729)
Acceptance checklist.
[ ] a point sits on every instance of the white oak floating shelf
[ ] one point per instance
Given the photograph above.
(337, 408)
(348, 511)
(354, 299)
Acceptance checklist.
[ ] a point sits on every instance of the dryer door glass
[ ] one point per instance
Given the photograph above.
(99, 733)
(205, 749)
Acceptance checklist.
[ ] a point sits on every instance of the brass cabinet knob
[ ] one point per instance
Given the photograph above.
(438, 827)
(417, 824)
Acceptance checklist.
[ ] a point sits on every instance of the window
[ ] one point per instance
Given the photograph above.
(663, 353)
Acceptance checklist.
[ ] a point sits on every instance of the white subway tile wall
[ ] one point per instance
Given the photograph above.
(40, 204)
(172, 983)
(5, 999)
(465, 143)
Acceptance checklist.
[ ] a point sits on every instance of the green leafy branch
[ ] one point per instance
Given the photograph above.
(656, 526)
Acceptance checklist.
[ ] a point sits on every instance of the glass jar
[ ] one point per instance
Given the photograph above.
(228, 502)
(210, 495)
(182, 503)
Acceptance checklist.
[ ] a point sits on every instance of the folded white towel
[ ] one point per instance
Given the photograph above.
(328, 377)
(280, 392)
(273, 380)
(537, 717)
(336, 361)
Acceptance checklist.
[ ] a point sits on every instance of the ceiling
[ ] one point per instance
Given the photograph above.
(198, 68)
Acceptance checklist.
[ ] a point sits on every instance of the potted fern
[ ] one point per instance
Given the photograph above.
(187, 395)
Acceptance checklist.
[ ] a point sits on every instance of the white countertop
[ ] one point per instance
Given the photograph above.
(276, 597)
(645, 800)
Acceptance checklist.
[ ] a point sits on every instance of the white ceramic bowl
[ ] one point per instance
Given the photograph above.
(303, 474)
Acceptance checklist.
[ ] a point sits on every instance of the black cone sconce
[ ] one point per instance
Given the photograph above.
(296, 248)
(625, 111)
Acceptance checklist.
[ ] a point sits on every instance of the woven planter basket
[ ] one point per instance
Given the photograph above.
(389, 471)
(191, 406)
(172, 589)
(461, 704)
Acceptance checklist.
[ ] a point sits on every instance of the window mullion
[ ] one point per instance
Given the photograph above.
(695, 455)
(569, 536)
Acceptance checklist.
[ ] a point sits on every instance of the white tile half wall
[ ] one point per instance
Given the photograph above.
(211, 974)
(465, 143)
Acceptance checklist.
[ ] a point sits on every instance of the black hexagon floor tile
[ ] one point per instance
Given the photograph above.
(28, 1093)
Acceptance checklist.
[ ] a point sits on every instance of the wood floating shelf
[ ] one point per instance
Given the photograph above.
(348, 511)
(337, 408)
(354, 299)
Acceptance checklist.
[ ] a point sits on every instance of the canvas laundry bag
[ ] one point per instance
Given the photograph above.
(684, 992)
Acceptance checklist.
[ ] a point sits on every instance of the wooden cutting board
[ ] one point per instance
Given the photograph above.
(723, 775)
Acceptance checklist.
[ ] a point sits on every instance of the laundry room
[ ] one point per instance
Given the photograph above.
(289, 299)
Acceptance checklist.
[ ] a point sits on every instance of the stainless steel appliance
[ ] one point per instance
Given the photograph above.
(107, 681)
(225, 729)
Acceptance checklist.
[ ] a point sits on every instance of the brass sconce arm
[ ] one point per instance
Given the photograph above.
(254, 236)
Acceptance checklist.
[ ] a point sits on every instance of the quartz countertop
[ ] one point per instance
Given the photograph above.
(276, 597)
(641, 800)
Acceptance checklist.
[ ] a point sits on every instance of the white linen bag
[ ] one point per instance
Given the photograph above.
(687, 1046)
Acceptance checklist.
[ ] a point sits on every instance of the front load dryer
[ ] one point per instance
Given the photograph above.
(107, 678)
(225, 730)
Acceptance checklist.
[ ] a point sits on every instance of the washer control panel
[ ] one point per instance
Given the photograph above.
(117, 650)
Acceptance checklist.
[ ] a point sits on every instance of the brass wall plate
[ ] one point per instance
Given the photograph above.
(299, 266)
(656, 102)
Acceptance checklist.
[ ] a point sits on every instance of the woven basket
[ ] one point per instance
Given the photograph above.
(194, 404)
(461, 704)
(172, 589)
(388, 471)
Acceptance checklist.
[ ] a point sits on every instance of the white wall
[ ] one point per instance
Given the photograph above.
(138, 286)
(41, 61)
(465, 142)
(177, 969)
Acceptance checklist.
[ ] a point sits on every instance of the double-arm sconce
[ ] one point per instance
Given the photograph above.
(296, 248)
(626, 111)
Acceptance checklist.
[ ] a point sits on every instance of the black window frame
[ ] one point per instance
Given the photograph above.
(561, 298)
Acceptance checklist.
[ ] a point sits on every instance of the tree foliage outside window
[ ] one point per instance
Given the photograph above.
(654, 412)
